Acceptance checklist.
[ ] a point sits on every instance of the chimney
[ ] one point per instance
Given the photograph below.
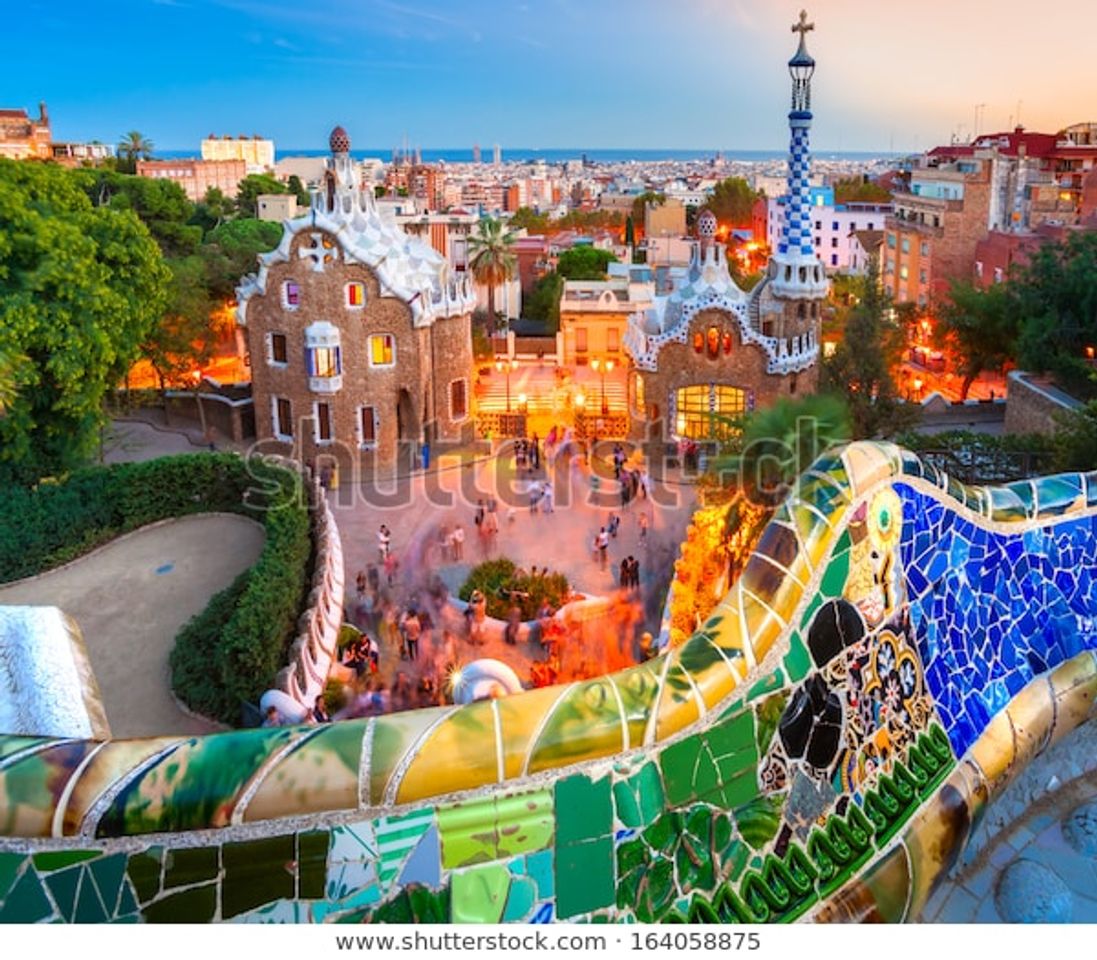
(43, 114)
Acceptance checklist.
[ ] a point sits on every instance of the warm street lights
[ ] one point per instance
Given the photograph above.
(503, 364)
(603, 367)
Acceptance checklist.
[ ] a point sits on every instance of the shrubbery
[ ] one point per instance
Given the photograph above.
(498, 579)
(231, 651)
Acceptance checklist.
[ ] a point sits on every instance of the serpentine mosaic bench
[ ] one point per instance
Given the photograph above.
(896, 648)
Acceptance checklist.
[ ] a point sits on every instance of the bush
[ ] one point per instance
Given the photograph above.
(232, 650)
(497, 579)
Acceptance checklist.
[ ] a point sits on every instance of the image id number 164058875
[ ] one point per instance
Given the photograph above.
(695, 940)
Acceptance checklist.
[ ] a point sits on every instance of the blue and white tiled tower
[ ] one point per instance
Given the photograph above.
(795, 270)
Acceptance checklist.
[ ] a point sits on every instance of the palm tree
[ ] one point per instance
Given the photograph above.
(492, 261)
(134, 146)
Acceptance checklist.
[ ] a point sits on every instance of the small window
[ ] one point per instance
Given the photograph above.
(613, 340)
(580, 339)
(924, 249)
(382, 350)
(278, 352)
(834, 259)
(891, 241)
(283, 418)
(834, 225)
(291, 295)
(818, 224)
(356, 295)
(903, 273)
(906, 245)
(713, 340)
(367, 426)
(458, 400)
(727, 342)
(834, 242)
(699, 342)
(871, 225)
(323, 423)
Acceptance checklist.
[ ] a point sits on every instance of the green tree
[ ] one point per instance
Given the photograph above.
(254, 184)
(630, 231)
(1055, 299)
(161, 206)
(10, 363)
(80, 289)
(584, 263)
(543, 303)
(732, 202)
(183, 339)
(297, 188)
(979, 328)
(528, 219)
(1075, 439)
(860, 190)
(132, 147)
(492, 261)
(230, 252)
(861, 366)
(212, 210)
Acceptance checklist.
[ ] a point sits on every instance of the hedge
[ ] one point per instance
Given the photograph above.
(230, 652)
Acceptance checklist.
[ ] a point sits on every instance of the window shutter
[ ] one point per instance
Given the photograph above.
(338, 361)
(310, 361)
(268, 344)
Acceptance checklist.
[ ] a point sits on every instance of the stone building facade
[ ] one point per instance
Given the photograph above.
(22, 137)
(359, 338)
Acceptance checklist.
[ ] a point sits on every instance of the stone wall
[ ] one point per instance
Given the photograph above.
(1031, 407)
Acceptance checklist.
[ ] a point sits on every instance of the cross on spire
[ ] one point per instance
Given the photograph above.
(803, 26)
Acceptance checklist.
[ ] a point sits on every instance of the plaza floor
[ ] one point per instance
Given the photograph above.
(416, 508)
(131, 598)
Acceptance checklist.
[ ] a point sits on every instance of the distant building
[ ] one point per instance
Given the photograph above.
(80, 154)
(359, 335)
(864, 250)
(532, 257)
(276, 206)
(22, 137)
(256, 152)
(831, 224)
(594, 314)
(447, 233)
(1002, 251)
(197, 176)
(666, 218)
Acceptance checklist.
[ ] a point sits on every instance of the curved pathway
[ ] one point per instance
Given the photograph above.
(131, 598)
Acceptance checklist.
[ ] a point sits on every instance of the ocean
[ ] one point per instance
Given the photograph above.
(560, 155)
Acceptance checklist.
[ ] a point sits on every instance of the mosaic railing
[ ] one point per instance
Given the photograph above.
(897, 646)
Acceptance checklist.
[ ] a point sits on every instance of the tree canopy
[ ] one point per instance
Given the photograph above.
(584, 263)
(860, 190)
(254, 184)
(732, 202)
(492, 260)
(80, 288)
(860, 369)
(979, 328)
(1055, 299)
(543, 303)
(230, 252)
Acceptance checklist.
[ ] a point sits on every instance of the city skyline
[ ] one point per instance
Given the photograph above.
(547, 76)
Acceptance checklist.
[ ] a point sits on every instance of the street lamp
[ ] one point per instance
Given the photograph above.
(502, 364)
(603, 367)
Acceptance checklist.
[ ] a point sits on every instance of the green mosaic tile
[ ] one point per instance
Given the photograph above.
(797, 660)
(144, 873)
(10, 863)
(768, 683)
(190, 865)
(679, 765)
(656, 892)
(256, 873)
(127, 903)
(767, 717)
(63, 885)
(26, 902)
(312, 861)
(90, 907)
(468, 833)
(812, 608)
(759, 818)
(196, 905)
(428, 906)
(584, 809)
(109, 873)
(397, 837)
(10, 746)
(59, 859)
(639, 799)
(525, 822)
(520, 899)
(480, 893)
(584, 877)
(834, 580)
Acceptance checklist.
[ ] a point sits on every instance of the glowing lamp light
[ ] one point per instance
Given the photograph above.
(580, 400)
(1089, 353)
(609, 366)
(521, 399)
(595, 364)
(917, 383)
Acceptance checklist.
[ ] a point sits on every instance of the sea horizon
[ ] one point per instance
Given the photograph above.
(563, 154)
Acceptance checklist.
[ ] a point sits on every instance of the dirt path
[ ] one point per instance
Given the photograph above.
(132, 597)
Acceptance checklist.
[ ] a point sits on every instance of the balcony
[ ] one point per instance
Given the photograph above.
(331, 384)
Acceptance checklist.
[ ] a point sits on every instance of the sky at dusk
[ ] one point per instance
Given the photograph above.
(689, 74)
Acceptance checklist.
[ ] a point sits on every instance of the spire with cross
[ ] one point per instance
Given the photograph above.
(803, 26)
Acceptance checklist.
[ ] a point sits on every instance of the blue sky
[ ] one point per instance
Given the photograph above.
(701, 74)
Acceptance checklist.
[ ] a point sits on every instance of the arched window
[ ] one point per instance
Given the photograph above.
(713, 341)
(815, 310)
(801, 311)
(329, 187)
(727, 342)
(698, 341)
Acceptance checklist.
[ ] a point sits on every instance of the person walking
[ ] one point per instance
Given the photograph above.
(412, 631)
(634, 573)
(546, 497)
(601, 547)
(458, 537)
(384, 542)
(643, 521)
